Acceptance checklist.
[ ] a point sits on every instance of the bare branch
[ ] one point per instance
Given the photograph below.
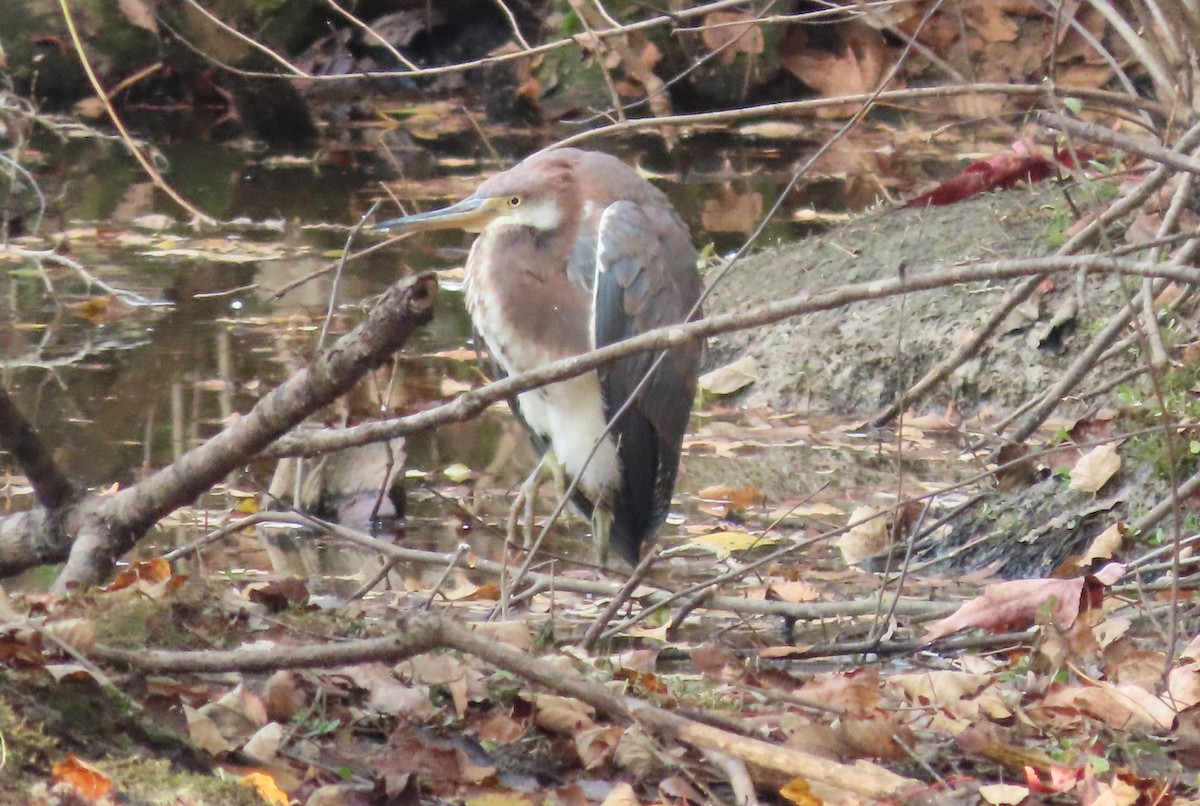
(19, 438)
(472, 403)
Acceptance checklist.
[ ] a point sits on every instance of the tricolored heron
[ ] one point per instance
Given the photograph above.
(575, 251)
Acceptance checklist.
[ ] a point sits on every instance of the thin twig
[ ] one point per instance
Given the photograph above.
(619, 600)
(155, 176)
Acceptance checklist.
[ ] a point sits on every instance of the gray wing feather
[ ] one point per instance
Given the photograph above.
(645, 277)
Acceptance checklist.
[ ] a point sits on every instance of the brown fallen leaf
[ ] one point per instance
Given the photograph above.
(1016, 604)
(1120, 707)
(563, 715)
(731, 33)
(282, 696)
(940, 688)
(792, 591)
(500, 729)
(596, 745)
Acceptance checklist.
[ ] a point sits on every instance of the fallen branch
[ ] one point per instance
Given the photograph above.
(94, 531)
(421, 633)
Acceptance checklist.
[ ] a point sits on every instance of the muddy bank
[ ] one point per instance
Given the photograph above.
(856, 360)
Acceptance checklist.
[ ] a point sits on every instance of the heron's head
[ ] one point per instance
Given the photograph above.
(536, 194)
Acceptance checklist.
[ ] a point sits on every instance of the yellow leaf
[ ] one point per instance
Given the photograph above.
(457, 472)
(1104, 545)
(723, 543)
(797, 791)
(266, 788)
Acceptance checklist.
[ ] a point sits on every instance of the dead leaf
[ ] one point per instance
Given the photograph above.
(595, 746)
(855, 66)
(723, 544)
(940, 688)
(264, 744)
(730, 378)
(149, 571)
(1105, 545)
(513, 632)
(140, 13)
(1118, 706)
(77, 633)
(1183, 686)
(793, 591)
(1192, 650)
(1016, 604)
(1003, 794)
(387, 695)
(204, 733)
(1095, 468)
(266, 788)
(84, 780)
(501, 729)
(989, 19)
(563, 715)
(869, 538)
(90, 107)
(732, 32)
(855, 693)
(282, 696)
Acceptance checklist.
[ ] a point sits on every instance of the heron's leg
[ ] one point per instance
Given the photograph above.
(602, 521)
(523, 504)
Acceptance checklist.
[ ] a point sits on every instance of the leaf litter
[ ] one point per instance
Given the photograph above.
(1078, 672)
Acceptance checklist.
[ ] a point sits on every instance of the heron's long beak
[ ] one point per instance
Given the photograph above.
(471, 214)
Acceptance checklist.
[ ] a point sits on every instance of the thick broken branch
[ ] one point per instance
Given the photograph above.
(104, 528)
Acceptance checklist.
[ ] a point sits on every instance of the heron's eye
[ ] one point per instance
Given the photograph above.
(515, 201)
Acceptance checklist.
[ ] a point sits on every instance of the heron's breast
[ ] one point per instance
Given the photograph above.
(524, 307)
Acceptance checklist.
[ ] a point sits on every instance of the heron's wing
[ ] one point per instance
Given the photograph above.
(645, 278)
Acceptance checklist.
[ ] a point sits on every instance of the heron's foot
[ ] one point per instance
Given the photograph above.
(520, 515)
